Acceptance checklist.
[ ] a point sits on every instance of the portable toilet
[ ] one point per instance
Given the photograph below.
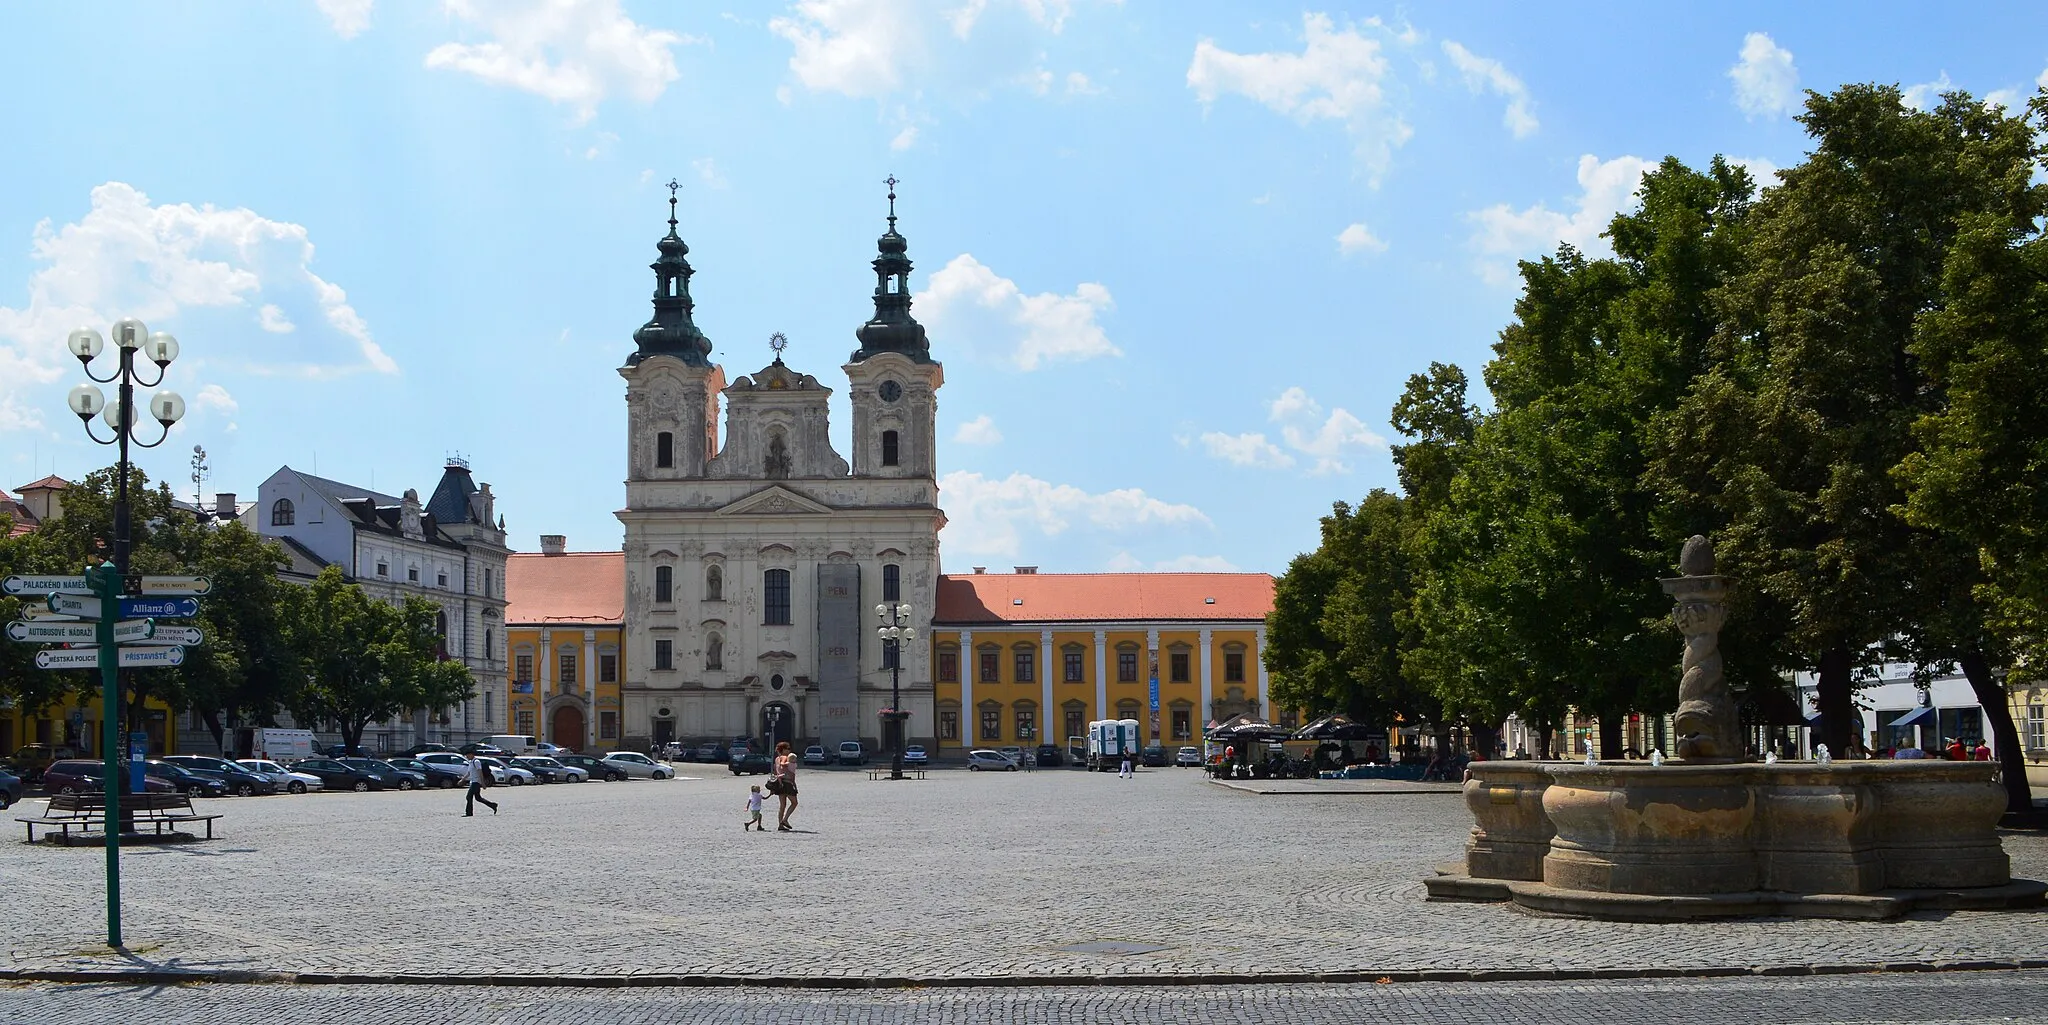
(1127, 732)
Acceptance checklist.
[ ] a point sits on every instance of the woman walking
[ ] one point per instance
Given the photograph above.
(783, 785)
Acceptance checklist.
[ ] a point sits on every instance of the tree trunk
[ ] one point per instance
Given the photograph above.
(352, 734)
(1837, 714)
(1610, 732)
(1443, 741)
(1545, 734)
(1991, 693)
(211, 717)
(1486, 740)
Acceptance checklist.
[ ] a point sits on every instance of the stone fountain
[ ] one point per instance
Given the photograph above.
(1706, 834)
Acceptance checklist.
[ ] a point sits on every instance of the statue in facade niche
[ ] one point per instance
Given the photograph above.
(778, 459)
(1707, 725)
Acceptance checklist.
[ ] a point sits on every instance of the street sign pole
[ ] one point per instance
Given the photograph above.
(107, 584)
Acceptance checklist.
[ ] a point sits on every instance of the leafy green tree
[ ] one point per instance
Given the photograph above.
(365, 660)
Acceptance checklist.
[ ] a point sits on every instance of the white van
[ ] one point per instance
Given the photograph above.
(263, 742)
(513, 743)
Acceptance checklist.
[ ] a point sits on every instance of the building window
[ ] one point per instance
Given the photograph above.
(566, 665)
(888, 448)
(1183, 724)
(441, 579)
(949, 724)
(1233, 667)
(664, 585)
(1178, 665)
(2037, 727)
(664, 654)
(1027, 722)
(949, 667)
(775, 597)
(383, 568)
(607, 668)
(991, 665)
(487, 708)
(522, 670)
(441, 625)
(714, 652)
(1077, 718)
(1025, 666)
(488, 592)
(608, 725)
(489, 649)
(412, 574)
(991, 721)
(890, 655)
(1074, 666)
(665, 450)
(714, 584)
(523, 722)
(281, 513)
(892, 583)
(1126, 667)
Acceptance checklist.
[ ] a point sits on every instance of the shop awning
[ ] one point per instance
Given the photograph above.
(1917, 717)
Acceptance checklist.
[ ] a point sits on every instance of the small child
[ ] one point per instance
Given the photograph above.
(754, 810)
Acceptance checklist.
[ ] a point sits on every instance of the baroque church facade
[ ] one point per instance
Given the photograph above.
(753, 563)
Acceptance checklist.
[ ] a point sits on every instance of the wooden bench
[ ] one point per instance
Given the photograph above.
(908, 773)
(84, 811)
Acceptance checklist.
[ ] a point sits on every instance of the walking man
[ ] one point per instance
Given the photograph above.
(479, 777)
(1124, 771)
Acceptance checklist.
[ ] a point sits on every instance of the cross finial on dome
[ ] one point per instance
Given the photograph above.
(673, 185)
(891, 181)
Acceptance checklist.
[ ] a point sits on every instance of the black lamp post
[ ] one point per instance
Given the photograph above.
(774, 719)
(895, 632)
(109, 580)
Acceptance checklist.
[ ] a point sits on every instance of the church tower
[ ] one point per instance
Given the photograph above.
(893, 376)
(671, 383)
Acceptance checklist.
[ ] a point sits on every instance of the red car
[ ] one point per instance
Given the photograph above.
(82, 776)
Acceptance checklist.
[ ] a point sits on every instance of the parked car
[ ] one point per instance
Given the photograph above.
(753, 765)
(638, 765)
(738, 751)
(548, 770)
(711, 752)
(185, 780)
(481, 749)
(915, 757)
(1049, 754)
(850, 753)
(1153, 756)
(547, 750)
(30, 760)
(593, 765)
(238, 778)
(11, 787)
(419, 749)
(507, 773)
(292, 782)
(393, 777)
(1013, 753)
(335, 775)
(82, 776)
(677, 751)
(815, 755)
(982, 759)
(1188, 758)
(430, 774)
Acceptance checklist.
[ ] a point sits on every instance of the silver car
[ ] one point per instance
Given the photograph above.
(638, 765)
(288, 781)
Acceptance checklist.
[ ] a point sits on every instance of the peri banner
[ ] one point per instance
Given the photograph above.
(839, 644)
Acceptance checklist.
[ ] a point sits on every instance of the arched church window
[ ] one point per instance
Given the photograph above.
(664, 584)
(888, 448)
(714, 652)
(892, 582)
(665, 450)
(775, 597)
(714, 584)
(281, 514)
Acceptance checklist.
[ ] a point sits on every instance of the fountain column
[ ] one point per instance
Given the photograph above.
(1707, 727)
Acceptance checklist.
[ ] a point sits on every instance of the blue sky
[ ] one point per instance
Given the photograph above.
(1178, 258)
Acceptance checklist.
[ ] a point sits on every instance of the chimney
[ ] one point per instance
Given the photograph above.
(1026, 570)
(554, 544)
(979, 570)
(224, 505)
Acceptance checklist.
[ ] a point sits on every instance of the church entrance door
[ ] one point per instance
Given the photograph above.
(778, 722)
(664, 732)
(565, 729)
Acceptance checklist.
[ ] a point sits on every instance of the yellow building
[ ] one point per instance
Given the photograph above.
(565, 612)
(1031, 658)
(74, 721)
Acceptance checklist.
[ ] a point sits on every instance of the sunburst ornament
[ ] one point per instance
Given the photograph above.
(778, 342)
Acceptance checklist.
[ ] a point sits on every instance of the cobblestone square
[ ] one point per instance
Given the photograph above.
(963, 876)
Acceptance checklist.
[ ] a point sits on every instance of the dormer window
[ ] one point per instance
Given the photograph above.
(281, 514)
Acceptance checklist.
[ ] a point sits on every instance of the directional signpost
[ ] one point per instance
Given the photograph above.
(42, 585)
(36, 611)
(173, 585)
(188, 636)
(68, 658)
(158, 608)
(77, 606)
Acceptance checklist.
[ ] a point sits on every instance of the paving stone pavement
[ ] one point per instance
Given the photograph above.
(961, 876)
(1975, 998)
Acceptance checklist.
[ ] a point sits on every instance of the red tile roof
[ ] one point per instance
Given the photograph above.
(53, 482)
(1102, 597)
(577, 587)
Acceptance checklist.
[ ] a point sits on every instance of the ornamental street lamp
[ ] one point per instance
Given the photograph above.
(896, 633)
(167, 408)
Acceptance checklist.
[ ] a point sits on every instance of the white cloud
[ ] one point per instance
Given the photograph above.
(272, 319)
(1484, 73)
(1245, 450)
(1125, 562)
(979, 431)
(1359, 238)
(2003, 99)
(1762, 170)
(1927, 95)
(1338, 76)
(904, 139)
(1326, 441)
(576, 52)
(217, 399)
(973, 302)
(1079, 85)
(128, 257)
(990, 517)
(1502, 236)
(707, 172)
(871, 49)
(349, 17)
(1766, 82)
